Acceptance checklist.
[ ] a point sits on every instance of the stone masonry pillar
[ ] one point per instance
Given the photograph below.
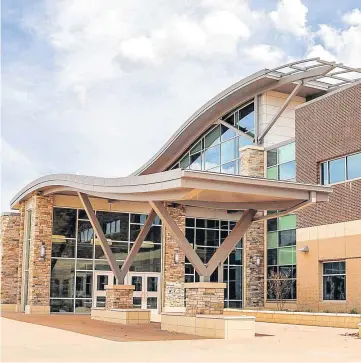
(173, 267)
(252, 163)
(119, 297)
(20, 256)
(205, 298)
(10, 232)
(39, 268)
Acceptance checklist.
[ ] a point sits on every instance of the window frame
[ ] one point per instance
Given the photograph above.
(278, 164)
(338, 274)
(327, 164)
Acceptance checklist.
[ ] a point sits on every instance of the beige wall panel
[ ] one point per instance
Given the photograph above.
(331, 248)
(353, 246)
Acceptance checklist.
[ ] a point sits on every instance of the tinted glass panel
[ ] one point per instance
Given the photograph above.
(286, 256)
(212, 157)
(272, 157)
(228, 151)
(114, 225)
(83, 284)
(196, 162)
(61, 305)
(334, 288)
(246, 118)
(229, 168)
(148, 258)
(213, 137)
(226, 133)
(337, 170)
(272, 257)
(64, 222)
(286, 153)
(62, 278)
(272, 240)
(287, 222)
(83, 306)
(287, 171)
(272, 224)
(138, 218)
(332, 268)
(354, 166)
(84, 264)
(184, 163)
(272, 173)
(324, 173)
(197, 147)
(62, 247)
(287, 238)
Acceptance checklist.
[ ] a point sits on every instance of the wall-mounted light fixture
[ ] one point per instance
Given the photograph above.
(304, 249)
(176, 256)
(258, 261)
(42, 252)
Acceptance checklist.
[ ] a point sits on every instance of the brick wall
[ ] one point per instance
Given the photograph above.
(329, 128)
(173, 273)
(10, 231)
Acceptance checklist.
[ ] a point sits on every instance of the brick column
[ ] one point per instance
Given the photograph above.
(173, 272)
(119, 297)
(39, 269)
(10, 229)
(205, 298)
(252, 164)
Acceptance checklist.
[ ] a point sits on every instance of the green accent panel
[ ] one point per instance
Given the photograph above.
(272, 240)
(287, 256)
(287, 222)
(272, 173)
(286, 153)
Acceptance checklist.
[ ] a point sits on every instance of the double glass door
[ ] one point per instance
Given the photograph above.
(146, 294)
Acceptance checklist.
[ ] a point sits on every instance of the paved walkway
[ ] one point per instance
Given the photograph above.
(29, 342)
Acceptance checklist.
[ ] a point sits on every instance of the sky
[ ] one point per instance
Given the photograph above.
(96, 87)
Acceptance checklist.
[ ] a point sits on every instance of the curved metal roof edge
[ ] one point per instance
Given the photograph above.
(212, 102)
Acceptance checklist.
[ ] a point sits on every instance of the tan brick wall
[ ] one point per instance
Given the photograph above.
(325, 129)
(252, 164)
(173, 273)
(39, 270)
(10, 232)
(118, 297)
(339, 241)
(201, 299)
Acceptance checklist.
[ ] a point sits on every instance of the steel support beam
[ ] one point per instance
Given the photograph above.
(222, 252)
(136, 246)
(231, 241)
(280, 111)
(233, 128)
(180, 237)
(98, 230)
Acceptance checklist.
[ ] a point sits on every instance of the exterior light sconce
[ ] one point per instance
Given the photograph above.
(42, 252)
(258, 261)
(176, 256)
(304, 249)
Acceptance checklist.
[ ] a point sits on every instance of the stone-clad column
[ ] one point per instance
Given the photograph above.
(205, 298)
(173, 268)
(252, 161)
(10, 229)
(20, 256)
(39, 268)
(119, 297)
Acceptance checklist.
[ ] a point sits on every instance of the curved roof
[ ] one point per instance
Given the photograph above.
(317, 76)
(182, 186)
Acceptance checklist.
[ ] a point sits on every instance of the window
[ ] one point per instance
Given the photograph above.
(218, 149)
(281, 163)
(281, 251)
(76, 253)
(206, 235)
(334, 281)
(341, 169)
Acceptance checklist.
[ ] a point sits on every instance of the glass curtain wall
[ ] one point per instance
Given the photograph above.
(77, 253)
(218, 149)
(206, 235)
(281, 232)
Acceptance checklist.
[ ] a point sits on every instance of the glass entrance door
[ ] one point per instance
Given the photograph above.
(147, 290)
(102, 279)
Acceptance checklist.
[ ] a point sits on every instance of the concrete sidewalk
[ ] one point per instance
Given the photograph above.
(29, 342)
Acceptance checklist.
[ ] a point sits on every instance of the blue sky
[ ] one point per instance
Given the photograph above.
(97, 87)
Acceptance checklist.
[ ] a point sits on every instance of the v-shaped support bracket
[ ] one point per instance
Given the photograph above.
(222, 251)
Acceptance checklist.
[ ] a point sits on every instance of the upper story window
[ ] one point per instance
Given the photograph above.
(341, 169)
(218, 149)
(281, 163)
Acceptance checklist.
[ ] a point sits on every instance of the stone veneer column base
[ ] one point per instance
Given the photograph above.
(9, 307)
(119, 297)
(205, 298)
(37, 309)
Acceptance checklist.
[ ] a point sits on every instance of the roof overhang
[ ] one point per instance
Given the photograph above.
(193, 188)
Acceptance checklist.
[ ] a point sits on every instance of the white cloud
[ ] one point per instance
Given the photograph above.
(138, 49)
(265, 55)
(353, 17)
(290, 17)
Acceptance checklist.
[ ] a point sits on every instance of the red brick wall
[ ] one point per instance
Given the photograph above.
(328, 128)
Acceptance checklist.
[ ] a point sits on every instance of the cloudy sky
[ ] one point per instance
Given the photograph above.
(96, 87)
